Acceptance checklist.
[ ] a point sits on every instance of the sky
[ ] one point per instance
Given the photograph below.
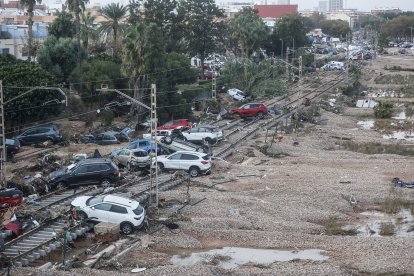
(362, 5)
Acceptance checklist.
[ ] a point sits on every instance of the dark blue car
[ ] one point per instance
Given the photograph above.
(40, 134)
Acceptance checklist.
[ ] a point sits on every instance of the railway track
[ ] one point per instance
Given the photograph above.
(250, 129)
(51, 234)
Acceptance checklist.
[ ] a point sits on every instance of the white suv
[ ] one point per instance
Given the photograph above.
(210, 134)
(195, 163)
(113, 209)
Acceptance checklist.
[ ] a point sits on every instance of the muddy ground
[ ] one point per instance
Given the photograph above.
(315, 194)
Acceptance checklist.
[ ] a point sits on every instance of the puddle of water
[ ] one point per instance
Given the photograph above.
(367, 124)
(401, 116)
(400, 135)
(232, 257)
(403, 222)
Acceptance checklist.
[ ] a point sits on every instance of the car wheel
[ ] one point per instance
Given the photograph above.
(209, 140)
(160, 166)
(82, 215)
(260, 115)
(61, 185)
(105, 183)
(168, 140)
(194, 171)
(127, 228)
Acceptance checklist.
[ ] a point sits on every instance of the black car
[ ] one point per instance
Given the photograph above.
(12, 147)
(40, 134)
(86, 172)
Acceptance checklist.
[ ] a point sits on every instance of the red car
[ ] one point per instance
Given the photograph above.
(10, 197)
(250, 110)
(175, 124)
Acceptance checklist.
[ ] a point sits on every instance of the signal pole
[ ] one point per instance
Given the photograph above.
(154, 165)
(3, 155)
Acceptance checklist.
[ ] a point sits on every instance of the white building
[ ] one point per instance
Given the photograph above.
(323, 6)
(283, 2)
(350, 16)
(336, 5)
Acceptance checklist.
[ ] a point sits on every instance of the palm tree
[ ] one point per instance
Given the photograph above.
(87, 29)
(114, 13)
(30, 7)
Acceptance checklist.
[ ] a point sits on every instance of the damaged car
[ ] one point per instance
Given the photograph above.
(128, 213)
(133, 159)
(95, 171)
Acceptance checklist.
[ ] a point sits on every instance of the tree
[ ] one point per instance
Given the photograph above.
(292, 30)
(62, 26)
(248, 30)
(96, 72)
(143, 55)
(114, 13)
(383, 110)
(29, 4)
(18, 73)
(336, 28)
(316, 19)
(398, 28)
(88, 30)
(59, 56)
(163, 14)
(179, 70)
(202, 25)
(134, 11)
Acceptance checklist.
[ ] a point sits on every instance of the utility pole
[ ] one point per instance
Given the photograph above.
(300, 67)
(214, 87)
(287, 63)
(3, 155)
(411, 28)
(154, 165)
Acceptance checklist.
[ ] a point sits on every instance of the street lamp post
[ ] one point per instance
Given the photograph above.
(281, 51)
(411, 28)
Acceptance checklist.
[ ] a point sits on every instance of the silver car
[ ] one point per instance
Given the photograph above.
(133, 158)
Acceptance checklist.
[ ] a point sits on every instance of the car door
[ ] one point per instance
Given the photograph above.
(118, 214)
(173, 161)
(245, 110)
(187, 160)
(100, 212)
(123, 157)
(78, 176)
(192, 134)
(254, 108)
(27, 136)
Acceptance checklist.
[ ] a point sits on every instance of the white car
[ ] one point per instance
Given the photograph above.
(210, 134)
(236, 94)
(112, 209)
(160, 134)
(135, 158)
(195, 163)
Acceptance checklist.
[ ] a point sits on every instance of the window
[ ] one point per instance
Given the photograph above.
(138, 211)
(246, 106)
(94, 200)
(168, 123)
(186, 156)
(119, 209)
(93, 168)
(194, 130)
(103, 206)
(202, 129)
(30, 132)
(132, 146)
(109, 137)
(5, 51)
(143, 144)
(176, 156)
(81, 169)
(99, 137)
(254, 105)
(140, 153)
(103, 167)
(42, 130)
(124, 152)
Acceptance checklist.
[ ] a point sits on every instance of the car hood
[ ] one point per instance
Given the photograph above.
(80, 201)
(53, 175)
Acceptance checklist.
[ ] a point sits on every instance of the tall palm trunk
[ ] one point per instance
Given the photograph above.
(30, 31)
(78, 38)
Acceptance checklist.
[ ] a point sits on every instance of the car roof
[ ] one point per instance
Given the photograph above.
(137, 149)
(192, 152)
(120, 200)
(94, 160)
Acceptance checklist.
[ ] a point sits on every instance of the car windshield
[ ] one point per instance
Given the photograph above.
(138, 211)
(70, 167)
(94, 200)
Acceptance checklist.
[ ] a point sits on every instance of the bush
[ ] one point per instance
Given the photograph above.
(107, 117)
(383, 110)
